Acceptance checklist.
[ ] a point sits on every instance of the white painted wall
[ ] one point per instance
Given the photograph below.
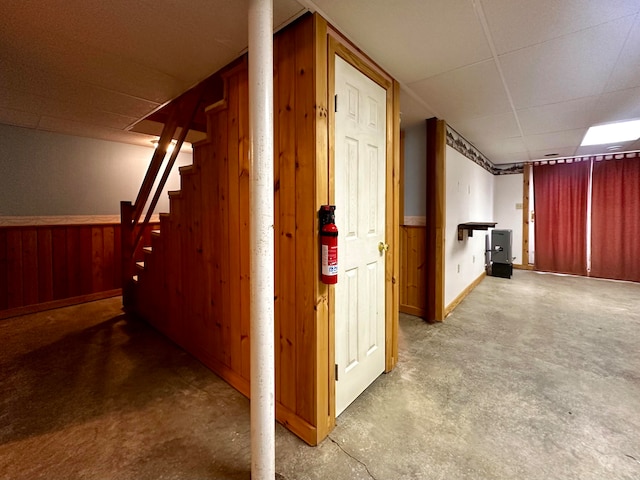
(469, 198)
(43, 173)
(507, 194)
(415, 170)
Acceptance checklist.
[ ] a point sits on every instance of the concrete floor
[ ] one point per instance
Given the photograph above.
(537, 377)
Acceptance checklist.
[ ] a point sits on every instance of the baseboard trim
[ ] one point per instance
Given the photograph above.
(518, 266)
(63, 302)
(46, 220)
(463, 294)
(411, 310)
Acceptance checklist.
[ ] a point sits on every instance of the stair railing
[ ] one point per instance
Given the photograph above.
(132, 230)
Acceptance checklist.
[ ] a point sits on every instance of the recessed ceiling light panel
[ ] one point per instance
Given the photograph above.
(612, 133)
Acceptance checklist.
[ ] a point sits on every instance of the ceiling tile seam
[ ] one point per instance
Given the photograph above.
(455, 69)
(312, 7)
(615, 64)
(81, 107)
(90, 84)
(558, 37)
(92, 124)
(477, 6)
(594, 109)
(560, 102)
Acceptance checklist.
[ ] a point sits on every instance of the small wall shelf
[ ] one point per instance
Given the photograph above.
(471, 226)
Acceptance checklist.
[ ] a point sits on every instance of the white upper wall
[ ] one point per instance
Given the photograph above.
(507, 208)
(415, 170)
(469, 198)
(49, 174)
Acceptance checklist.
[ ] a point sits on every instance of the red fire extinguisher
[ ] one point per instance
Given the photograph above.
(328, 245)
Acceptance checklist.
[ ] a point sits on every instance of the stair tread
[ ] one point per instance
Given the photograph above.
(147, 249)
(155, 232)
(140, 265)
(135, 278)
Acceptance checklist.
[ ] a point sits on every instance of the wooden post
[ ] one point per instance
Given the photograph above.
(126, 247)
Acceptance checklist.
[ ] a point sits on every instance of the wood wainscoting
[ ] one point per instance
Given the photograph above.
(47, 264)
(413, 275)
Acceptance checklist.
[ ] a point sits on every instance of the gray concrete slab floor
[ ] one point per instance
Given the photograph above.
(536, 377)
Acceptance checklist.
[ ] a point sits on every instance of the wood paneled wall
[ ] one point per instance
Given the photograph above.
(194, 286)
(296, 236)
(413, 274)
(195, 283)
(41, 264)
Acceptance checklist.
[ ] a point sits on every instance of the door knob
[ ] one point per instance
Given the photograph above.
(383, 247)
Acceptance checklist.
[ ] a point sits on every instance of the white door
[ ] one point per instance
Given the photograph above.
(360, 165)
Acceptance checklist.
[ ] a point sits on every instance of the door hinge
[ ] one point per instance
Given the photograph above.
(335, 103)
(336, 372)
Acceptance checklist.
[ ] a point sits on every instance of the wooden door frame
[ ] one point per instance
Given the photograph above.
(337, 45)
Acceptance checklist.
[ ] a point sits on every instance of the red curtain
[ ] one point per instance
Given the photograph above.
(615, 219)
(560, 198)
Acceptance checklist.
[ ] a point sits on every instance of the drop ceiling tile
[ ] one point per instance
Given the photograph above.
(557, 116)
(566, 68)
(412, 39)
(507, 158)
(561, 151)
(515, 24)
(18, 118)
(41, 105)
(412, 111)
(503, 148)
(617, 106)
(626, 73)
(21, 101)
(24, 78)
(602, 149)
(555, 140)
(485, 129)
(67, 111)
(468, 92)
(81, 129)
(93, 66)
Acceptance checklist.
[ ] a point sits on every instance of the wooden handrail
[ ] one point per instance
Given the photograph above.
(165, 176)
(182, 114)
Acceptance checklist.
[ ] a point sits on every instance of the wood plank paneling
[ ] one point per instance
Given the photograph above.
(3, 269)
(413, 270)
(324, 371)
(233, 155)
(29, 266)
(306, 236)
(286, 233)
(40, 264)
(86, 249)
(45, 265)
(60, 265)
(210, 263)
(74, 262)
(14, 268)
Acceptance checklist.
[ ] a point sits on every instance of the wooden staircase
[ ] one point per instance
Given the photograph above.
(193, 282)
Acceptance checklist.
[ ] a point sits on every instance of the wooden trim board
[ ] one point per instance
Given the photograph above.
(456, 301)
(436, 208)
(63, 302)
(526, 179)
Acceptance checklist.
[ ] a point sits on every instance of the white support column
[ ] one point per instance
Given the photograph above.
(262, 239)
